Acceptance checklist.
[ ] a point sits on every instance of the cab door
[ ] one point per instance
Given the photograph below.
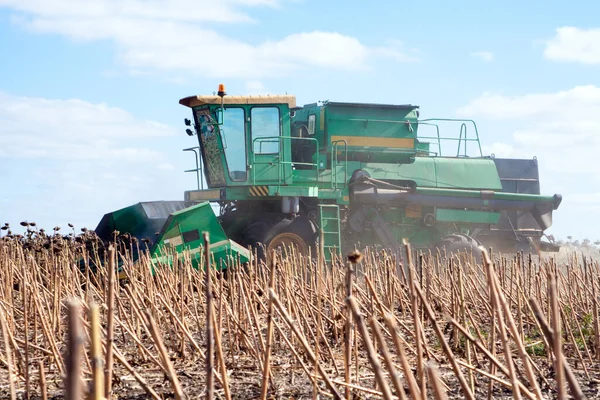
(270, 149)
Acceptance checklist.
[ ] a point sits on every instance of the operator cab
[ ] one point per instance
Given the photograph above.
(242, 138)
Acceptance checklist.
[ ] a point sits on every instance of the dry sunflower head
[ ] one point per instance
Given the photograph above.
(355, 256)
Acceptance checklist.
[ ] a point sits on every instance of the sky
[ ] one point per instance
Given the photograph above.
(90, 120)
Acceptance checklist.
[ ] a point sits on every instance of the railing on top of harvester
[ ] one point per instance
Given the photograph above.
(462, 139)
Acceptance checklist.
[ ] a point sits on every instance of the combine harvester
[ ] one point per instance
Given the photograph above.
(334, 176)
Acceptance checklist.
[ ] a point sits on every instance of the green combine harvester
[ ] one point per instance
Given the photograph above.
(333, 176)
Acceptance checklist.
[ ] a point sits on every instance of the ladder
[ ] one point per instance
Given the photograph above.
(329, 218)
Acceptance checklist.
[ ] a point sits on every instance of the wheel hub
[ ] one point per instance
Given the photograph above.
(284, 241)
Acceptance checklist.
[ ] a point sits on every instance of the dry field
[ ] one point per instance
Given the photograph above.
(364, 328)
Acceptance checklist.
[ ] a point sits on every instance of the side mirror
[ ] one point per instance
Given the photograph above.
(220, 116)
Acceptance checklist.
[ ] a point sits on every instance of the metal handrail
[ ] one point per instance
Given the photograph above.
(334, 162)
(198, 169)
(437, 128)
(278, 160)
(460, 139)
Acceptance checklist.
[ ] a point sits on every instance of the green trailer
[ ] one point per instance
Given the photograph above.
(334, 176)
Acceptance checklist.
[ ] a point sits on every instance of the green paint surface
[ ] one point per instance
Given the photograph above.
(466, 216)
(183, 234)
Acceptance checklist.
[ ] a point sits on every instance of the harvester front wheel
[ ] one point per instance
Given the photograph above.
(258, 233)
(300, 233)
(286, 240)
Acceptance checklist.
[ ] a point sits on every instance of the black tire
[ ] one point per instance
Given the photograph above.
(259, 231)
(301, 229)
(307, 230)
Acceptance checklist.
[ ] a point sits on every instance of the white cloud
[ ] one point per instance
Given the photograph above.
(562, 125)
(573, 44)
(483, 55)
(73, 129)
(181, 10)
(561, 130)
(181, 36)
(72, 161)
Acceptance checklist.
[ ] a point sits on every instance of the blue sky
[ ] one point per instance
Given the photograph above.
(89, 113)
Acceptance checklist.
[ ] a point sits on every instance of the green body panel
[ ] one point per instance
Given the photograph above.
(254, 192)
(460, 173)
(468, 216)
(302, 191)
(172, 230)
(423, 148)
(465, 173)
(222, 255)
(182, 234)
(456, 173)
(141, 220)
(351, 125)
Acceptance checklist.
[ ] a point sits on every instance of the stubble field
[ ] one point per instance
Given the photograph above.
(366, 327)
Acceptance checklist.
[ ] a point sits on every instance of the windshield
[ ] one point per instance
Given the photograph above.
(231, 140)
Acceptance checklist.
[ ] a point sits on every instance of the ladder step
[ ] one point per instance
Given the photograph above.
(329, 217)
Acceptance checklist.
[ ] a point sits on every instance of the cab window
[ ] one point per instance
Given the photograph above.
(265, 128)
(233, 136)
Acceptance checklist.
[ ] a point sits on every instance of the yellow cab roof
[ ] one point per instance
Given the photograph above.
(194, 101)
